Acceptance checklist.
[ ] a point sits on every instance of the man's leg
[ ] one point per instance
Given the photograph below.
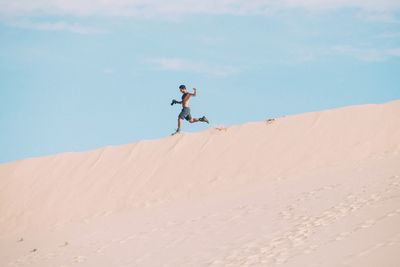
(179, 124)
(179, 127)
(193, 120)
(202, 119)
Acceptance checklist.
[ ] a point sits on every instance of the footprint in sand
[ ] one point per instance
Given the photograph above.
(375, 197)
(80, 259)
(123, 240)
(391, 214)
(286, 215)
(342, 236)
(252, 259)
(310, 249)
(368, 223)
(100, 249)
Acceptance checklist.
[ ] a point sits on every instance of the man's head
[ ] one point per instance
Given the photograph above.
(183, 89)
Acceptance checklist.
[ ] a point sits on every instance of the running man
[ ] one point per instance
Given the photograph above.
(185, 113)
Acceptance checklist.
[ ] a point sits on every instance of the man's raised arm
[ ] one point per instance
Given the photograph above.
(194, 92)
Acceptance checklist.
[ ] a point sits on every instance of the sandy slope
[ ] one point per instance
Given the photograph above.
(316, 189)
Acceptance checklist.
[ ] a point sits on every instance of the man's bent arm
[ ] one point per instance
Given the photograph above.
(175, 102)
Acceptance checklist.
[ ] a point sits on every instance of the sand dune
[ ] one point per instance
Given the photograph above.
(315, 189)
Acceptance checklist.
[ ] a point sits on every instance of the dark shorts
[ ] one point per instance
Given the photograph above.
(185, 114)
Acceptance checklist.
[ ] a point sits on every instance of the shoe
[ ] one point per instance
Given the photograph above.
(204, 119)
(176, 132)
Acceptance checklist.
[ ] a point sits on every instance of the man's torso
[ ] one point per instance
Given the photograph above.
(185, 100)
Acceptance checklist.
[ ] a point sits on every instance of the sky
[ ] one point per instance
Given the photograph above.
(77, 75)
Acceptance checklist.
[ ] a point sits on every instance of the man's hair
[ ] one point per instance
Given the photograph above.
(182, 87)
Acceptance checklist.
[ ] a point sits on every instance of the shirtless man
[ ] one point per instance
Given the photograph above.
(185, 113)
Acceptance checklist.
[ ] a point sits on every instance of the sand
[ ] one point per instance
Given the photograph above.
(315, 189)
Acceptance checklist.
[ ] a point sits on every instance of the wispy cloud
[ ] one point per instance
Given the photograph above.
(56, 26)
(384, 5)
(186, 65)
(171, 8)
(367, 54)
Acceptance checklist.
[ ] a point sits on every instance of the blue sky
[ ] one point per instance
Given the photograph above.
(76, 75)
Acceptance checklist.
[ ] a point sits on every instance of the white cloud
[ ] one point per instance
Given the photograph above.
(56, 26)
(367, 54)
(180, 64)
(372, 5)
(176, 8)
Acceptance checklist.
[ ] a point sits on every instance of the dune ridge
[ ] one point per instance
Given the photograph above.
(322, 159)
